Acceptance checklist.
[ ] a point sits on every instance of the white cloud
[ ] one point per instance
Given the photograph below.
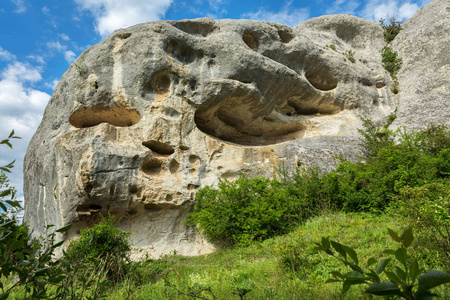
(6, 55)
(64, 36)
(69, 55)
(407, 10)
(46, 10)
(376, 9)
(287, 15)
(37, 58)
(342, 7)
(20, 6)
(22, 109)
(52, 85)
(113, 14)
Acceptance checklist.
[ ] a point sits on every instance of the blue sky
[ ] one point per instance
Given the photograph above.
(39, 39)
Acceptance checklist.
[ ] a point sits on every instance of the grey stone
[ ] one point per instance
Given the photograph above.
(154, 112)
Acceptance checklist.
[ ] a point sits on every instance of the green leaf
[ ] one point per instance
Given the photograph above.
(371, 262)
(325, 243)
(407, 237)
(432, 279)
(354, 276)
(351, 253)
(57, 244)
(337, 274)
(3, 207)
(373, 275)
(401, 255)
(382, 265)
(41, 271)
(393, 277)
(414, 270)
(13, 203)
(425, 295)
(401, 274)
(383, 289)
(389, 251)
(64, 229)
(394, 235)
(339, 249)
(4, 296)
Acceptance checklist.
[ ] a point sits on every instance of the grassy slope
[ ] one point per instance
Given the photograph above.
(259, 266)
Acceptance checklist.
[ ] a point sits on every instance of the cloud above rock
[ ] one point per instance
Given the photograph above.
(114, 14)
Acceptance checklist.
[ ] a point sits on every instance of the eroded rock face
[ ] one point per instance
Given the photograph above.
(142, 120)
(424, 44)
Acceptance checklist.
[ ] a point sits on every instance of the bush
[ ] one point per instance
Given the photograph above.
(391, 61)
(391, 28)
(102, 244)
(427, 207)
(245, 210)
(394, 160)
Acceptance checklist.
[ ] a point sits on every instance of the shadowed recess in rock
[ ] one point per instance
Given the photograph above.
(92, 116)
(158, 147)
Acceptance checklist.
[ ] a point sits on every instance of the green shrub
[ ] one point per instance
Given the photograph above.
(394, 160)
(390, 60)
(102, 244)
(427, 207)
(245, 210)
(403, 277)
(391, 28)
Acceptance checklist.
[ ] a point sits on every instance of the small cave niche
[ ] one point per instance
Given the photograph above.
(286, 35)
(196, 28)
(183, 148)
(159, 147)
(159, 85)
(152, 167)
(182, 52)
(250, 40)
(93, 208)
(93, 116)
(159, 206)
(123, 36)
(320, 77)
(380, 85)
(174, 166)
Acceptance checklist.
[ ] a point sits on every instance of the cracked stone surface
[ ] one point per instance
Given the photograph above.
(154, 112)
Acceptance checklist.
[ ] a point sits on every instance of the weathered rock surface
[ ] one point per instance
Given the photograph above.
(142, 120)
(424, 44)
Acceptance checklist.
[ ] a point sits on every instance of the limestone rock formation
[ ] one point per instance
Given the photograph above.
(143, 119)
(424, 44)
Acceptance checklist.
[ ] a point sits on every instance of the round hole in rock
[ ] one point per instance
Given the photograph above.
(92, 116)
(250, 40)
(380, 85)
(162, 84)
(153, 167)
(184, 148)
(285, 35)
(321, 79)
(159, 147)
(174, 166)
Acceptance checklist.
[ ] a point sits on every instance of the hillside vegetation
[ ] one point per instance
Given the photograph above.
(269, 232)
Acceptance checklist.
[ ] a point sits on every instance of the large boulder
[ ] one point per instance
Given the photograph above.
(423, 44)
(156, 111)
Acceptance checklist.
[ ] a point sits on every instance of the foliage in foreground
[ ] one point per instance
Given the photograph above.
(102, 243)
(25, 265)
(404, 281)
